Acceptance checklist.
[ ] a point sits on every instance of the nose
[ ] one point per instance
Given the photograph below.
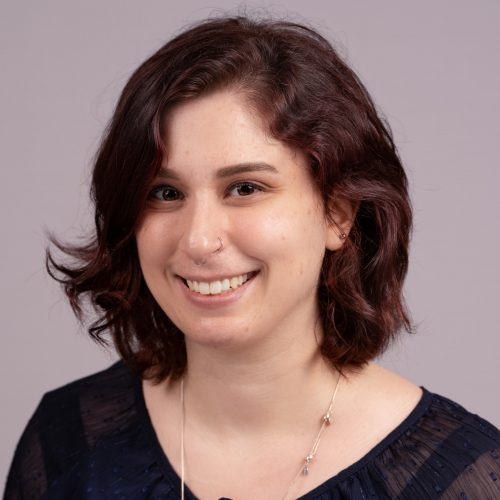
(202, 230)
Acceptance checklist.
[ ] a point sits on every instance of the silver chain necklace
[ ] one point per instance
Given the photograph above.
(304, 468)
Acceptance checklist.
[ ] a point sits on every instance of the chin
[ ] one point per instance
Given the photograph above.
(220, 338)
(219, 342)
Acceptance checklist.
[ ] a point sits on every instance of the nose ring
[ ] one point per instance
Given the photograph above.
(221, 245)
(218, 250)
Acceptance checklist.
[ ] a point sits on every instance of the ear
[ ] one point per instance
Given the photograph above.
(340, 215)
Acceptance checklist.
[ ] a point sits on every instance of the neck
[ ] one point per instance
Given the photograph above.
(258, 392)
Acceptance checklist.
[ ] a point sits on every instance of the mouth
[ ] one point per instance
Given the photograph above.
(219, 287)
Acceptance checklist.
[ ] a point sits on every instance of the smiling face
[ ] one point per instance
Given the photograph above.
(225, 178)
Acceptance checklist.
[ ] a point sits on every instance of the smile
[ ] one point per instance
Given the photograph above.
(219, 287)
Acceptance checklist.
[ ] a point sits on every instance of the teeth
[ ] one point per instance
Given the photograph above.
(217, 287)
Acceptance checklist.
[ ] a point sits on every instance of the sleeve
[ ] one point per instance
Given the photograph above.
(27, 478)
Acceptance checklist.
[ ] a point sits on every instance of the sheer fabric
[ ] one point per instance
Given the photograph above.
(93, 439)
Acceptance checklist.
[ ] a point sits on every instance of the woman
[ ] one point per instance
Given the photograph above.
(252, 229)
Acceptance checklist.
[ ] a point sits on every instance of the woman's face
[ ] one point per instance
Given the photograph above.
(225, 178)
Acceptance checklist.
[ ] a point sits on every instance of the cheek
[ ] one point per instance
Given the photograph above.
(154, 243)
(262, 232)
(293, 237)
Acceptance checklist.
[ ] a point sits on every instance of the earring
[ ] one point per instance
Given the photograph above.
(342, 235)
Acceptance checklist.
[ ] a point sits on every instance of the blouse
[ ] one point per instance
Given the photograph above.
(93, 439)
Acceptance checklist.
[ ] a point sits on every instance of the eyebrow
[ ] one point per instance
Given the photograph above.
(167, 173)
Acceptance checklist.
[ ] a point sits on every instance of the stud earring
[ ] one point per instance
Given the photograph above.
(342, 235)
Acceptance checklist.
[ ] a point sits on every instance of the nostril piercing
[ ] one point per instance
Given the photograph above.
(221, 245)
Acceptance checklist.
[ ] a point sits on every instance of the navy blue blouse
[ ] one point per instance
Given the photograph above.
(93, 439)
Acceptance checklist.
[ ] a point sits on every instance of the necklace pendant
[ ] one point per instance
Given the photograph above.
(305, 469)
(327, 419)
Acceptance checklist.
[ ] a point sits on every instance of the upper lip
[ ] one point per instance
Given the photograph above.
(218, 277)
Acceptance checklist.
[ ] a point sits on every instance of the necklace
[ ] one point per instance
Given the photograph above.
(304, 468)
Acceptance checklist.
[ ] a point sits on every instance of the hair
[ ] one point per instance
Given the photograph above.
(310, 100)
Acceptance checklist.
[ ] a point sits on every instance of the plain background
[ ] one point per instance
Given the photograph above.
(431, 67)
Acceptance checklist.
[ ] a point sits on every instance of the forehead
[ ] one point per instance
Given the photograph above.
(220, 129)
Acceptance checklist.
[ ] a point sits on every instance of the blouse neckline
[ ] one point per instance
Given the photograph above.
(174, 480)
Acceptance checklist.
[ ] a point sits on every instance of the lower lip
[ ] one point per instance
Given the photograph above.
(213, 301)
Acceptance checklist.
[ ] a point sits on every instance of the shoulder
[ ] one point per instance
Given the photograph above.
(449, 450)
(433, 448)
(67, 423)
(442, 450)
(91, 403)
(447, 410)
(457, 430)
(93, 392)
(78, 414)
(392, 401)
(116, 374)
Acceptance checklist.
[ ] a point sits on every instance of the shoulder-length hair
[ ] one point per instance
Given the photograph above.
(310, 100)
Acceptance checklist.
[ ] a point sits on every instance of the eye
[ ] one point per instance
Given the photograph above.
(244, 189)
(165, 193)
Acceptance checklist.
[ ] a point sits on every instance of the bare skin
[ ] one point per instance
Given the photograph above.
(245, 459)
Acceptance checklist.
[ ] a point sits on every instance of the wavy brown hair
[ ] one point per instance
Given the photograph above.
(310, 100)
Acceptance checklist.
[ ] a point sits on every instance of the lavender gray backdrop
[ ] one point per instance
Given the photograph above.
(432, 67)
